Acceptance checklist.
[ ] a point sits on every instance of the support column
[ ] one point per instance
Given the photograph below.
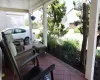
(45, 24)
(93, 27)
(30, 28)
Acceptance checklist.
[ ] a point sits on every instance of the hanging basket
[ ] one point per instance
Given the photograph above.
(32, 18)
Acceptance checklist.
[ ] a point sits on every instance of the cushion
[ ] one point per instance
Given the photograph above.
(11, 44)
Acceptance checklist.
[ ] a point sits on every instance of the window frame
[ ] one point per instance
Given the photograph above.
(22, 30)
(8, 30)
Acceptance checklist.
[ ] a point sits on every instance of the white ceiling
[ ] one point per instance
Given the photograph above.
(22, 4)
(19, 4)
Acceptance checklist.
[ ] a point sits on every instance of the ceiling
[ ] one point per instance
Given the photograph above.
(21, 4)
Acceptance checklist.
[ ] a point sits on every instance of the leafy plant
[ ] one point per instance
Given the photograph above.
(34, 25)
(71, 46)
(41, 34)
(98, 54)
(52, 42)
(56, 12)
(77, 30)
(37, 36)
(26, 22)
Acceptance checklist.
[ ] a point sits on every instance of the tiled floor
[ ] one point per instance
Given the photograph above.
(61, 72)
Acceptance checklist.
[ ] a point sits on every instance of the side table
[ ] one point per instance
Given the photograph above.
(40, 48)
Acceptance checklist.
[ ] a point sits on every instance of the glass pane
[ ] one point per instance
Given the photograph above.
(23, 31)
(18, 30)
(10, 31)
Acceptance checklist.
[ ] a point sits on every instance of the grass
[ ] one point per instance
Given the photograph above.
(76, 30)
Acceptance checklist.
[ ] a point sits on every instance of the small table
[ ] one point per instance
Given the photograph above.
(40, 48)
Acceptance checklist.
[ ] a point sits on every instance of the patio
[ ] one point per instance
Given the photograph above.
(61, 72)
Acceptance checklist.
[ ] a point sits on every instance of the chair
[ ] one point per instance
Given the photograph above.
(19, 57)
(36, 73)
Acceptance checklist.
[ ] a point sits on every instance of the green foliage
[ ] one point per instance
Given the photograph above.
(68, 46)
(70, 50)
(65, 50)
(37, 36)
(67, 30)
(79, 8)
(77, 30)
(41, 34)
(78, 5)
(26, 22)
(56, 12)
(71, 46)
(35, 25)
(98, 55)
(78, 14)
(52, 42)
(81, 30)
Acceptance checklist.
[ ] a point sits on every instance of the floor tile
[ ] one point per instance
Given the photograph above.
(58, 77)
(60, 72)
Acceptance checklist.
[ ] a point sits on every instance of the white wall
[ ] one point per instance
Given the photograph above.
(2, 20)
(15, 20)
(70, 16)
(20, 4)
(11, 20)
